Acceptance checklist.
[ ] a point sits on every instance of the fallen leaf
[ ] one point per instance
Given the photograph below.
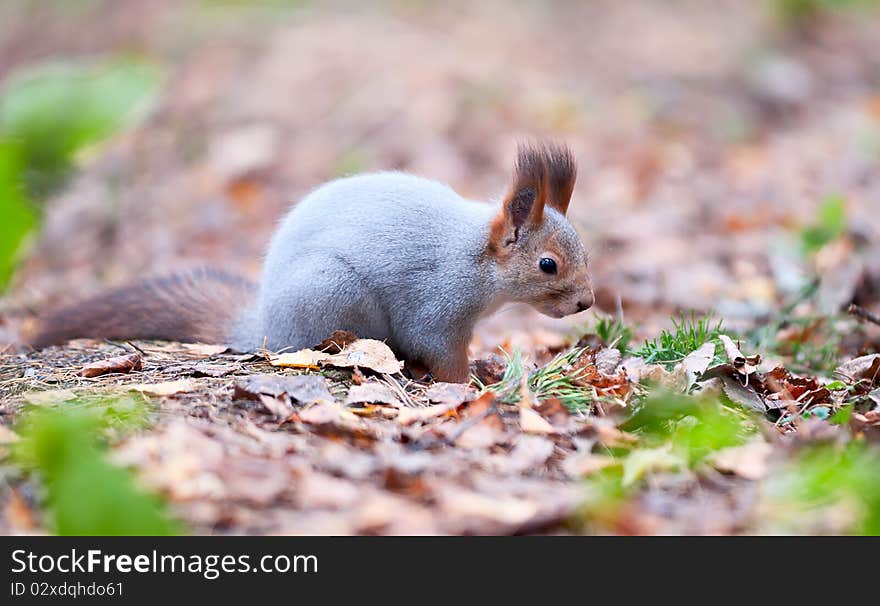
(448, 393)
(304, 389)
(490, 369)
(863, 368)
(366, 353)
(328, 413)
(696, 362)
(118, 364)
(407, 415)
(168, 388)
(372, 392)
(749, 461)
(530, 421)
(481, 435)
(742, 364)
(280, 406)
(528, 453)
(336, 342)
(506, 510)
(304, 358)
(741, 394)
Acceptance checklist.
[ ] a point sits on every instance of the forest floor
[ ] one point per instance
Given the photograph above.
(728, 165)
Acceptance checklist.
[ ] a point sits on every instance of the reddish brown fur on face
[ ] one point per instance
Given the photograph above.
(544, 174)
(200, 305)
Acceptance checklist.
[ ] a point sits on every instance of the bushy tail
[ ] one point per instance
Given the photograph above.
(197, 306)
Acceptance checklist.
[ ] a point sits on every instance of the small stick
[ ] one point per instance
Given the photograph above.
(864, 314)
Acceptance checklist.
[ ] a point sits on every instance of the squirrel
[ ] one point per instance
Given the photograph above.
(387, 255)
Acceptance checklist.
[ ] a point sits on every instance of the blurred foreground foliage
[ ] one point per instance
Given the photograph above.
(50, 114)
(828, 481)
(85, 493)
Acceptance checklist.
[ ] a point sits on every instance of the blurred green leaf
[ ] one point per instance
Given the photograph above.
(830, 226)
(86, 495)
(827, 476)
(53, 111)
(694, 427)
(18, 216)
(49, 114)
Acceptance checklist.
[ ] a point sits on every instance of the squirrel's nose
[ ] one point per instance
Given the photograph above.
(586, 302)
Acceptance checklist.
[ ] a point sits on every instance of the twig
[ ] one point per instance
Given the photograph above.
(864, 314)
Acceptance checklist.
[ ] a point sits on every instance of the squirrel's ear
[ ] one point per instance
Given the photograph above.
(561, 175)
(524, 203)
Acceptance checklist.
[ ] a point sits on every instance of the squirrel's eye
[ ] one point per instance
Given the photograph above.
(547, 265)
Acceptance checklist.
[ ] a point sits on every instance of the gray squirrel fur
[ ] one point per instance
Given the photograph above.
(403, 259)
(398, 258)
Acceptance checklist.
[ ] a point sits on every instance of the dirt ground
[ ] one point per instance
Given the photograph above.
(708, 136)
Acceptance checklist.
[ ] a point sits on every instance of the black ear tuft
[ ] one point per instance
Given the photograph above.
(520, 205)
(561, 175)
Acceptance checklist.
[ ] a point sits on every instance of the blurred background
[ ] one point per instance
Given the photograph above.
(728, 150)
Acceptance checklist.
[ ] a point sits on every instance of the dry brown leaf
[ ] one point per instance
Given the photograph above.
(749, 461)
(490, 369)
(336, 342)
(372, 392)
(861, 368)
(506, 510)
(304, 389)
(741, 363)
(167, 388)
(448, 393)
(329, 413)
(304, 358)
(528, 453)
(698, 361)
(407, 415)
(530, 421)
(117, 364)
(484, 434)
(279, 406)
(366, 353)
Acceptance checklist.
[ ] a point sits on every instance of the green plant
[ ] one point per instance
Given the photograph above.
(693, 427)
(613, 331)
(507, 389)
(830, 225)
(52, 112)
(86, 494)
(17, 211)
(48, 115)
(688, 334)
(794, 13)
(556, 380)
(826, 476)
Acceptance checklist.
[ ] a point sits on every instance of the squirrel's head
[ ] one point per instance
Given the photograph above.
(538, 253)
